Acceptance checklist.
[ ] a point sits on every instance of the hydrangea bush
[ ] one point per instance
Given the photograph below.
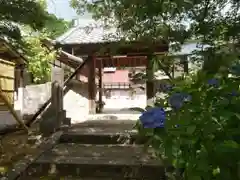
(196, 128)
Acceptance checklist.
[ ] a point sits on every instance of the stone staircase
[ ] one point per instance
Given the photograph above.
(98, 150)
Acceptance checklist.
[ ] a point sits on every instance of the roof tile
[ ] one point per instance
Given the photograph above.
(85, 35)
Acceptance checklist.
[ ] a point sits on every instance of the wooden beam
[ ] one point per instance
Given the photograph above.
(6, 56)
(100, 89)
(115, 48)
(122, 61)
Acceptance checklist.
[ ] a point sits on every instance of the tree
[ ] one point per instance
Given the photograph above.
(39, 56)
(209, 22)
(56, 26)
(15, 12)
(25, 23)
(168, 19)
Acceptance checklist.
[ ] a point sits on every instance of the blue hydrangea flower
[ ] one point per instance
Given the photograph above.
(153, 118)
(234, 93)
(176, 100)
(213, 82)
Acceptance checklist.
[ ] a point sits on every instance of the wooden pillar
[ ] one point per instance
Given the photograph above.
(92, 84)
(150, 82)
(185, 64)
(20, 85)
(100, 92)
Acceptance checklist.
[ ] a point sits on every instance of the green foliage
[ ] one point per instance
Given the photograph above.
(55, 26)
(25, 23)
(174, 21)
(39, 58)
(15, 12)
(202, 137)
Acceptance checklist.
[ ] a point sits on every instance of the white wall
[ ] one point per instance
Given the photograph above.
(76, 101)
(120, 102)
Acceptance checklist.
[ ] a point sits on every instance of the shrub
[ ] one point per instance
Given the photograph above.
(196, 127)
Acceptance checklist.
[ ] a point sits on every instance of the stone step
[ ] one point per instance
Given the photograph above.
(76, 178)
(101, 161)
(102, 136)
(103, 132)
(69, 178)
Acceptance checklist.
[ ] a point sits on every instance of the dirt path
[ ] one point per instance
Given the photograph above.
(14, 147)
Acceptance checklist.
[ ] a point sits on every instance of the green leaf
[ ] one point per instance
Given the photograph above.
(196, 178)
(237, 115)
(191, 129)
(231, 144)
(216, 171)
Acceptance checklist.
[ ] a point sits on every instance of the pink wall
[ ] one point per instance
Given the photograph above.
(119, 76)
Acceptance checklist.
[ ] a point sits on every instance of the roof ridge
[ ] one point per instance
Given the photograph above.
(75, 28)
(91, 32)
(66, 34)
(96, 25)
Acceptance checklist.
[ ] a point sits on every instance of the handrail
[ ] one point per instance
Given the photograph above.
(43, 107)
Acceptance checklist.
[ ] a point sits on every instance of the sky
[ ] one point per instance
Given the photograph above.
(62, 9)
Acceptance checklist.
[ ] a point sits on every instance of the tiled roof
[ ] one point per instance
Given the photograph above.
(99, 34)
(13, 50)
(85, 35)
(188, 48)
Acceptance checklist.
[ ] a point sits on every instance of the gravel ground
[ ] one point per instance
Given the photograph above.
(6, 119)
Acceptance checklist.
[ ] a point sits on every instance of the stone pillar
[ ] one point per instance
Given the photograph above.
(57, 75)
(58, 94)
(92, 84)
(53, 118)
(150, 82)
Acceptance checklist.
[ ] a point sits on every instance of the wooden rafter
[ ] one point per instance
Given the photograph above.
(115, 48)
(132, 61)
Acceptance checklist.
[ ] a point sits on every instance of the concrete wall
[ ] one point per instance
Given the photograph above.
(35, 96)
(75, 100)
